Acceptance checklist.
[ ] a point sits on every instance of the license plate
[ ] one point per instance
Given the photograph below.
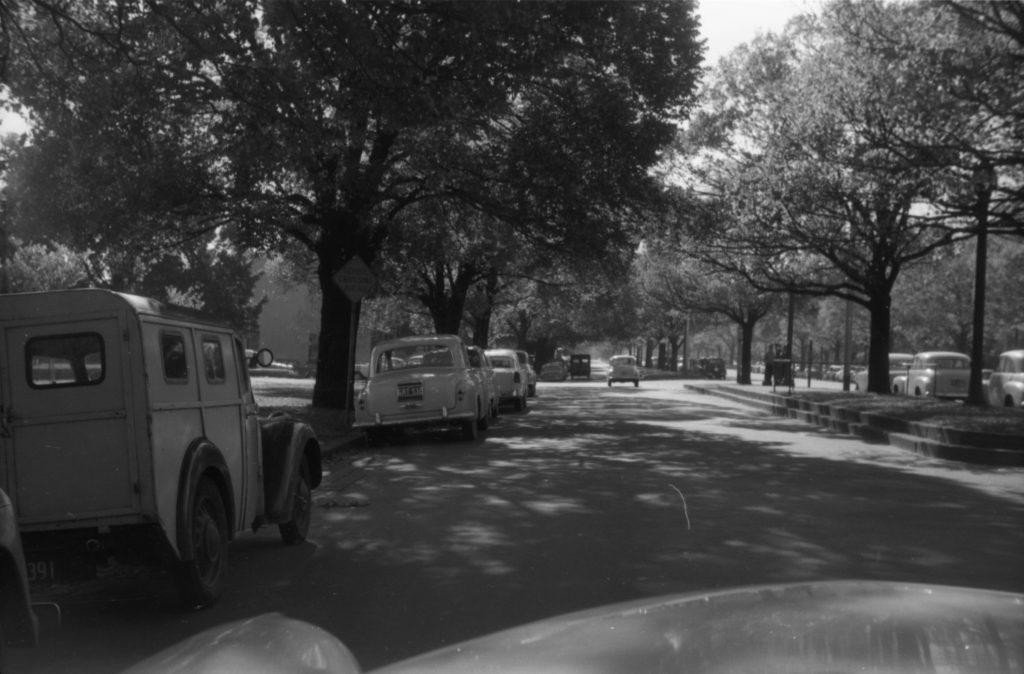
(409, 392)
(42, 570)
(958, 383)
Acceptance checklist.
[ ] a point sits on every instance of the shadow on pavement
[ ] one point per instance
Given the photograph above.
(594, 496)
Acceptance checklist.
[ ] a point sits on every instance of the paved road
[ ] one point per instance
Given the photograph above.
(595, 495)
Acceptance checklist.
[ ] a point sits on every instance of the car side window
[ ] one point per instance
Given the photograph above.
(475, 360)
(172, 348)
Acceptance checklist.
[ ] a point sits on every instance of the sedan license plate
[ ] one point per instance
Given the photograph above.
(958, 383)
(410, 392)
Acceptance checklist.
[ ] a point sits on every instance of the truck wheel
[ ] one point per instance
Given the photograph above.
(295, 530)
(201, 579)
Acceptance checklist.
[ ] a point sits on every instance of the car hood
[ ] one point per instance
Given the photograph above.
(841, 626)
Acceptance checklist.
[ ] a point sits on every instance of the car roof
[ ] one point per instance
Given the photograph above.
(941, 354)
(422, 339)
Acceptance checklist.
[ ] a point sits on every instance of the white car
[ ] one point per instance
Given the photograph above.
(511, 378)
(941, 374)
(420, 382)
(1006, 385)
(898, 365)
(479, 361)
(624, 369)
(531, 374)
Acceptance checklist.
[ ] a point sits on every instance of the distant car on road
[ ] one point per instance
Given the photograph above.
(940, 374)
(579, 365)
(712, 368)
(531, 374)
(1006, 384)
(898, 364)
(422, 382)
(510, 377)
(623, 368)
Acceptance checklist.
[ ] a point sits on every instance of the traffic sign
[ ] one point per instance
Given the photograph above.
(355, 279)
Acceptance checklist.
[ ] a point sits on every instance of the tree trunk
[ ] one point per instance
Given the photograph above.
(338, 316)
(879, 307)
(746, 344)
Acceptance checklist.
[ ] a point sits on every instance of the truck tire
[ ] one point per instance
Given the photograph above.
(295, 530)
(201, 579)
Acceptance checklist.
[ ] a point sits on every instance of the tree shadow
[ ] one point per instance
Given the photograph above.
(595, 496)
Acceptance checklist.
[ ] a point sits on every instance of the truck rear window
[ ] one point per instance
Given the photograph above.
(65, 360)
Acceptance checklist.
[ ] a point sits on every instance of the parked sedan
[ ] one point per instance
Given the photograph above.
(555, 370)
(898, 364)
(624, 369)
(510, 377)
(479, 361)
(417, 382)
(1006, 385)
(531, 374)
(942, 374)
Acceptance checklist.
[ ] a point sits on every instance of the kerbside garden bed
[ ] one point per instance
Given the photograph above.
(945, 421)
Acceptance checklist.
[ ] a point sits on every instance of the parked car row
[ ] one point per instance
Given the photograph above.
(947, 374)
(438, 381)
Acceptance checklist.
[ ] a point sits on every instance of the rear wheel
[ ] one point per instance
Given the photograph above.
(295, 530)
(483, 420)
(470, 430)
(200, 578)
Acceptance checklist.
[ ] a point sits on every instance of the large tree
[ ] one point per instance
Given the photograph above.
(320, 122)
(807, 147)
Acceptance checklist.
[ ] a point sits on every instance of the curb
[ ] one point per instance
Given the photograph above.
(921, 438)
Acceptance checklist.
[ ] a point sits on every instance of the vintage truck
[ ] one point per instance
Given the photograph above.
(129, 429)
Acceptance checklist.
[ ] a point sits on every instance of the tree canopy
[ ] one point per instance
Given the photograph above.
(321, 122)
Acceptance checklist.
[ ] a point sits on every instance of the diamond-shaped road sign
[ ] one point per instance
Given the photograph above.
(355, 279)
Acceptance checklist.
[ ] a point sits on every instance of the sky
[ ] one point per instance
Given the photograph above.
(726, 24)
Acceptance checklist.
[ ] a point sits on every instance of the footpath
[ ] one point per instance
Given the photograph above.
(921, 437)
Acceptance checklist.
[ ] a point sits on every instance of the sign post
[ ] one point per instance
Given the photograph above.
(357, 281)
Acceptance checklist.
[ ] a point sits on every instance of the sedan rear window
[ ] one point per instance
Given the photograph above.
(414, 356)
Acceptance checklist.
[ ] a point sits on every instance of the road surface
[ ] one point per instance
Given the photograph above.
(595, 495)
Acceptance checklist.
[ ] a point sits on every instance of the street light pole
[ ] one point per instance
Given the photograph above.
(983, 181)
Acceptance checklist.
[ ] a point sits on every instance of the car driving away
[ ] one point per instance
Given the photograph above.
(623, 369)
(421, 382)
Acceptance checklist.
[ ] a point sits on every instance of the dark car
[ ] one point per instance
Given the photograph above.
(712, 368)
(579, 365)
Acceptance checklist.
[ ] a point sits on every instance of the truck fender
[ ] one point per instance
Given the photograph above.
(18, 623)
(287, 442)
(202, 458)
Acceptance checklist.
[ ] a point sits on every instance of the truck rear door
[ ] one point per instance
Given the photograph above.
(66, 432)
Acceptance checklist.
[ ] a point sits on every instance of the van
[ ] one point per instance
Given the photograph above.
(129, 428)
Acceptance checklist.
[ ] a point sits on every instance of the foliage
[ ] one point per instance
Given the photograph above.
(320, 122)
(837, 154)
(36, 267)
